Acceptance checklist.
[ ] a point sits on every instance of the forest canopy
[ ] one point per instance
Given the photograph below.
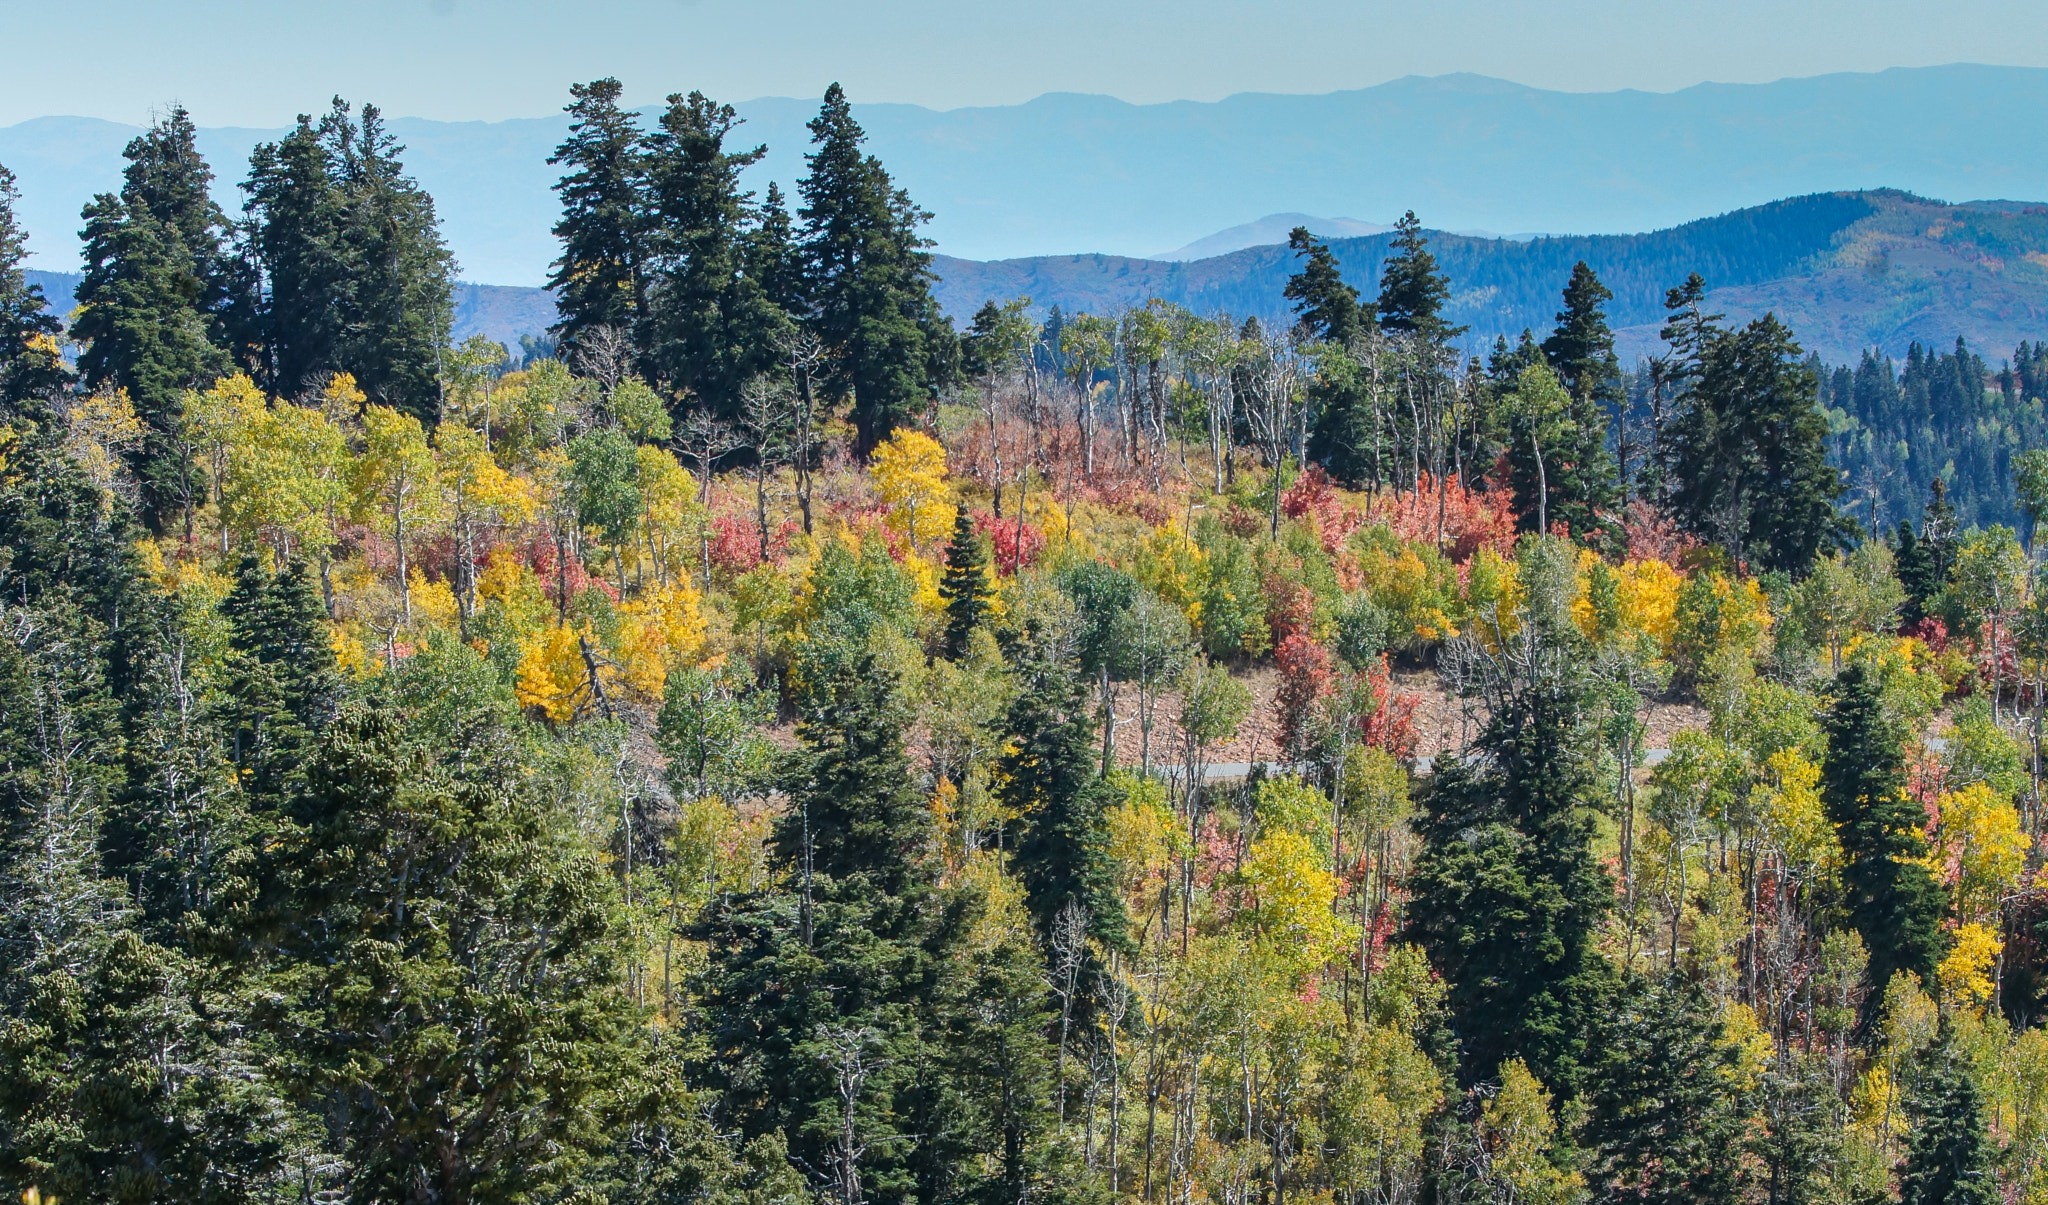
(770, 744)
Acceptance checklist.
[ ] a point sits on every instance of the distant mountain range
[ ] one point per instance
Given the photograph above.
(1066, 173)
(1846, 270)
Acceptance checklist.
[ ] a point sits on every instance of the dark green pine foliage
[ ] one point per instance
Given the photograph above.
(868, 280)
(966, 586)
(1747, 456)
(1581, 349)
(24, 314)
(355, 276)
(1049, 778)
(1413, 292)
(773, 257)
(283, 687)
(1925, 558)
(601, 278)
(1330, 309)
(711, 326)
(153, 298)
(426, 862)
(837, 974)
(1896, 904)
(1950, 1159)
(1665, 1111)
(1507, 898)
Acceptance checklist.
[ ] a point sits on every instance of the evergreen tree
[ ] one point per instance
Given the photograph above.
(966, 586)
(1049, 780)
(282, 686)
(24, 314)
(430, 865)
(1924, 560)
(868, 279)
(1330, 310)
(711, 326)
(1581, 349)
(601, 278)
(152, 301)
(1559, 462)
(1950, 1159)
(1665, 1111)
(355, 276)
(1747, 457)
(1413, 292)
(1894, 902)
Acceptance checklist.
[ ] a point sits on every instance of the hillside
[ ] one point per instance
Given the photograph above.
(1066, 172)
(1847, 270)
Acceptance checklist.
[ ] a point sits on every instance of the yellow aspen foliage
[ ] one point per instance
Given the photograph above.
(1966, 973)
(285, 477)
(1493, 598)
(1516, 1132)
(659, 633)
(553, 678)
(99, 430)
(1143, 832)
(1753, 1047)
(672, 519)
(1790, 806)
(218, 419)
(393, 482)
(1413, 591)
(1979, 847)
(476, 486)
(910, 474)
(1649, 600)
(1292, 893)
(433, 600)
(508, 582)
(352, 655)
(924, 576)
(1174, 567)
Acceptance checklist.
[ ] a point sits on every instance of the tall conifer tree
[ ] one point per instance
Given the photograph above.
(153, 300)
(24, 313)
(601, 278)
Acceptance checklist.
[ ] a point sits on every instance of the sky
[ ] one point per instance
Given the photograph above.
(259, 62)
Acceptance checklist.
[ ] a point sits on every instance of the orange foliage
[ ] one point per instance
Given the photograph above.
(1461, 519)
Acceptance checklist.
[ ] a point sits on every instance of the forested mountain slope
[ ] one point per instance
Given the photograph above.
(1846, 270)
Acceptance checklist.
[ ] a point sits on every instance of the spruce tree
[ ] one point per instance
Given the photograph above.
(1894, 902)
(356, 278)
(868, 279)
(282, 686)
(1413, 292)
(711, 326)
(1950, 1159)
(1330, 309)
(24, 313)
(1665, 1108)
(601, 278)
(966, 586)
(1049, 779)
(153, 298)
(1747, 456)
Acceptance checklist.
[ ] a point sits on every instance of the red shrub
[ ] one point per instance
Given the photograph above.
(1305, 677)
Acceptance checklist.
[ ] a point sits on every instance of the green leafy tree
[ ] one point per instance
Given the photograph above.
(156, 283)
(1894, 902)
(966, 586)
(1558, 460)
(868, 279)
(601, 278)
(604, 479)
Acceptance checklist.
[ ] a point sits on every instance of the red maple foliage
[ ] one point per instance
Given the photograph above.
(1461, 519)
(1305, 677)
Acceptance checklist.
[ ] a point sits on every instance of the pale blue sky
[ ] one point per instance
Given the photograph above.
(257, 62)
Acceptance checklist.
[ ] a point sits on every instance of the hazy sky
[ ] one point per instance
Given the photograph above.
(257, 62)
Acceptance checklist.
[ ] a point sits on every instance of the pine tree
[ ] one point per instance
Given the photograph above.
(1330, 309)
(1049, 779)
(282, 687)
(1413, 292)
(1892, 901)
(420, 867)
(1747, 457)
(711, 326)
(966, 586)
(152, 301)
(601, 278)
(24, 314)
(1581, 349)
(1665, 1110)
(356, 278)
(1950, 1159)
(868, 279)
